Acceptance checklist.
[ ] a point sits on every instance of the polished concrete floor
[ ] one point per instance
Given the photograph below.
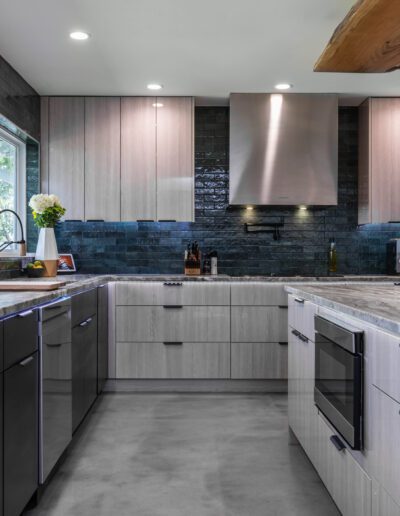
(186, 455)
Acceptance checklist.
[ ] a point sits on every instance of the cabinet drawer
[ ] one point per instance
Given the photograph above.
(261, 294)
(259, 324)
(258, 360)
(301, 316)
(301, 407)
(386, 443)
(386, 363)
(346, 481)
(172, 293)
(182, 324)
(173, 360)
(83, 305)
(20, 337)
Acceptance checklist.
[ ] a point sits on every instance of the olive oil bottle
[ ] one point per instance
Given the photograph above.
(332, 256)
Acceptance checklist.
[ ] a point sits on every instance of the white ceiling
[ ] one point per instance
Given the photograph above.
(205, 48)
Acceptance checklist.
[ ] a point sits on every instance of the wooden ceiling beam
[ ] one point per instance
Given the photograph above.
(367, 40)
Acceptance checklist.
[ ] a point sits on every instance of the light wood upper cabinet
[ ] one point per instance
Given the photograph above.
(114, 158)
(102, 158)
(175, 159)
(379, 160)
(138, 158)
(63, 119)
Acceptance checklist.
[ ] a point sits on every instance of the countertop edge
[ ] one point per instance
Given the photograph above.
(368, 317)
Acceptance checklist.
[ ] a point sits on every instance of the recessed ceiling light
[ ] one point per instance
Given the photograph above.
(249, 208)
(303, 207)
(154, 86)
(79, 35)
(158, 104)
(283, 86)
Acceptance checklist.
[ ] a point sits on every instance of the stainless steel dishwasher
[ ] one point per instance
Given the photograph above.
(55, 401)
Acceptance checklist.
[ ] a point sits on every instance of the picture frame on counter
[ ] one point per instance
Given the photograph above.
(66, 264)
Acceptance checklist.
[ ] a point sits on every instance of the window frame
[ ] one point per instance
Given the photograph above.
(20, 186)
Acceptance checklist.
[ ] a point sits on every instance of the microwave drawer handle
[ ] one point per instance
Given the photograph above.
(337, 443)
(299, 300)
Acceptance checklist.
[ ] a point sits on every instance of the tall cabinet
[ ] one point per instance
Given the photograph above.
(379, 161)
(120, 159)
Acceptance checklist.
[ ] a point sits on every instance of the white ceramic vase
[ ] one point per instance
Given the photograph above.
(46, 251)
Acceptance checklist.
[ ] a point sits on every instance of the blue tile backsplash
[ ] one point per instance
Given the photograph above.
(122, 247)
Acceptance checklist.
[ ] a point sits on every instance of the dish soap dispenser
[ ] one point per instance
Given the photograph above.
(332, 256)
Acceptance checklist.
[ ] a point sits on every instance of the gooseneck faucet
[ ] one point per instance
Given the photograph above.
(21, 243)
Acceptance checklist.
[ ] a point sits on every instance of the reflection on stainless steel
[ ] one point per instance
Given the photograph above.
(55, 383)
(283, 149)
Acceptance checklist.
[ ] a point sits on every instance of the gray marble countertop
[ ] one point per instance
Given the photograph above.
(377, 304)
(12, 301)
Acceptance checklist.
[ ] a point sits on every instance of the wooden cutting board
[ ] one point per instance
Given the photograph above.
(31, 285)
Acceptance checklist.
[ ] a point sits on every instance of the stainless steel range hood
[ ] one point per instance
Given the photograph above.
(283, 149)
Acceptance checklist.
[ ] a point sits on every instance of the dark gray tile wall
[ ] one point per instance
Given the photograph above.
(158, 247)
(19, 102)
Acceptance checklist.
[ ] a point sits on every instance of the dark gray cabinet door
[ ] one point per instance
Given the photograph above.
(20, 434)
(84, 368)
(102, 337)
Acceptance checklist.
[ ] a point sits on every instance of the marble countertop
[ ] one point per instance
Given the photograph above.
(12, 301)
(377, 304)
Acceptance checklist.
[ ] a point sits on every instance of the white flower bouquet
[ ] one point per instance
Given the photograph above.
(47, 210)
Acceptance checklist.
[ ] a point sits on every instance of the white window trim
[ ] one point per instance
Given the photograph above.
(20, 186)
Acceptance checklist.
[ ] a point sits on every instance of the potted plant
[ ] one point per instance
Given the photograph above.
(47, 211)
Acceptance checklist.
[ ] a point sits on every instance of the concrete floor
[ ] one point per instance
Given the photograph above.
(186, 455)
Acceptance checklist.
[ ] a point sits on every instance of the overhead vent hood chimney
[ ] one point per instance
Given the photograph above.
(283, 149)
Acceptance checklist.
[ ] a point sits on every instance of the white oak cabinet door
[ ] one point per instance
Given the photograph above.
(66, 145)
(386, 362)
(346, 481)
(172, 293)
(102, 158)
(169, 323)
(259, 360)
(386, 443)
(259, 324)
(138, 158)
(175, 159)
(382, 503)
(144, 360)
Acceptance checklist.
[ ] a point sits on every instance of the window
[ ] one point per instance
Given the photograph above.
(12, 187)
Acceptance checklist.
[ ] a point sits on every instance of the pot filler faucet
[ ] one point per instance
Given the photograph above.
(21, 243)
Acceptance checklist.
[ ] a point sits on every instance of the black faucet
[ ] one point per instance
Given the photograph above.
(21, 243)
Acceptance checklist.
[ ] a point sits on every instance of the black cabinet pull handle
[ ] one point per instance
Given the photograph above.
(172, 306)
(283, 307)
(298, 300)
(25, 314)
(173, 284)
(283, 343)
(173, 343)
(338, 444)
(295, 333)
(58, 345)
(26, 361)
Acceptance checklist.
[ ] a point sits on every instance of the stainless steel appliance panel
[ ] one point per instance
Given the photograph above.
(55, 384)
(283, 149)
